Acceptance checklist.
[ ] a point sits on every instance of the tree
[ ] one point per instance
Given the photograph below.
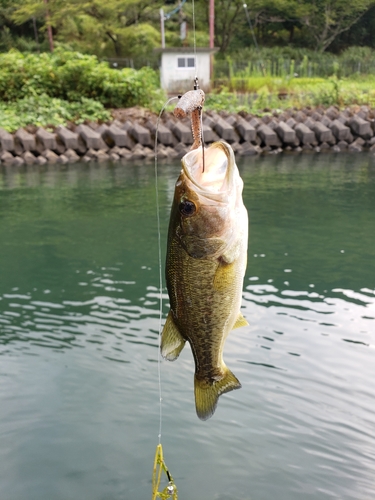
(327, 19)
(97, 24)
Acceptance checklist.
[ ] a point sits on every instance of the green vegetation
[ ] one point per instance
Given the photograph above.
(131, 28)
(312, 52)
(277, 94)
(71, 75)
(44, 111)
(50, 89)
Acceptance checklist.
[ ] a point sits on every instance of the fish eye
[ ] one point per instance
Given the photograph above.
(187, 208)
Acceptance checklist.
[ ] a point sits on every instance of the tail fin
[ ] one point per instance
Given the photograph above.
(207, 393)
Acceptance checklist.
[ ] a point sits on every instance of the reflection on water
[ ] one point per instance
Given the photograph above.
(79, 332)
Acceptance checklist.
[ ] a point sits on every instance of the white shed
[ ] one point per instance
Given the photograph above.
(180, 65)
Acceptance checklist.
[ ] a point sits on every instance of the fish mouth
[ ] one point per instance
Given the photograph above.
(217, 175)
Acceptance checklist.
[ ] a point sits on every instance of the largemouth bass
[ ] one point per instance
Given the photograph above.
(206, 262)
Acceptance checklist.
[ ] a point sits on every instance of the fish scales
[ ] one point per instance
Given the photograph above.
(206, 261)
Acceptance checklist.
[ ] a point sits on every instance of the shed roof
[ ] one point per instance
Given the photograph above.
(179, 50)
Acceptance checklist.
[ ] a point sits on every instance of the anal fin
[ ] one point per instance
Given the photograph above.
(172, 341)
(240, 321)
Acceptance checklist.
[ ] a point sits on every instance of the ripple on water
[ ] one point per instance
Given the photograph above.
(105, 322)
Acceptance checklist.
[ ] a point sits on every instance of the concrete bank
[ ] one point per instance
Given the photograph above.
(131, 135)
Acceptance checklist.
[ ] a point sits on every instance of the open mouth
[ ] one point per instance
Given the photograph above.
(214, 176)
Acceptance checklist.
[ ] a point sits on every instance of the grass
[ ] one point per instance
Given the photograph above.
(255, 94)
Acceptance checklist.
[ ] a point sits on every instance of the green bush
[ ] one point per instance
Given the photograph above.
(72, 76)
(45, 111)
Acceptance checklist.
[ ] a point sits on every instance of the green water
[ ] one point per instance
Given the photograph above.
(79, 414)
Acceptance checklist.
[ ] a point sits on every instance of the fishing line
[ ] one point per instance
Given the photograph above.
(195, 43)
(202, 140)
(159, 260)
(170, 491)
(254, 38)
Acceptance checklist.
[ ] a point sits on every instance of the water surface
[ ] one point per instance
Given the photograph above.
(79, 414)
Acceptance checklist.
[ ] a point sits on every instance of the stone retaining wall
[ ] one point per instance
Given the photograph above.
(132, 138)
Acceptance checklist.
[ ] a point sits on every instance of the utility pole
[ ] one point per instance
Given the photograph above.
(162, 28)
(49, 27)
(212, 23)
(212, 35)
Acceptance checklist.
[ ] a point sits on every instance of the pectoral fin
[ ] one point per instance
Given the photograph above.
(172, 341)
(240, 321)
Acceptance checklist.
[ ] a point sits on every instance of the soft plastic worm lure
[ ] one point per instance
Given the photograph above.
(191, 103)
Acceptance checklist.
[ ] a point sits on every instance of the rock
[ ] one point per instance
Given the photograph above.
(209, 135)
(114, 156)
(172, 153)
(268, 136)
(29, 158)
(148, 152)
(323, 133)
(67, 137)
(138, 153)
(254, 122)
(339, 130)
(115, 136)
(224, 129)
(361, 142)
(360, 127)
(310, 123)
(91, 153)
(249, 149)
(304, 134)
(342, 118)
(62, 159)
(25, 139)
(245, 130)
(91, 138)
(6, 140)
(124, 153)
(6, 157)
(71, 155)
(342, 145)
(300, 117)
(208, 120)
(161, 152)
(355, 148)
(46, 139)
(101, 155)
(332, 113)
(276, 151)
(336, 148)
(291, 122)
(18, 161)
(272, 124)
(326, 121)
(50, 156)
(140, 134)
(181, 131)
(40, 160)
(286, 133)
(165, 136)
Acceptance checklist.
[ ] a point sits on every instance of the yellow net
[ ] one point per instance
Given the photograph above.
(170, 491)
